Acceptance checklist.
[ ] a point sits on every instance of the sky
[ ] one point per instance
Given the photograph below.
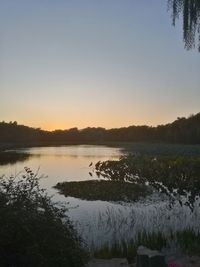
(80, 63)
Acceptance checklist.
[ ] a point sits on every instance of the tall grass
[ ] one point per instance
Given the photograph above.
(128, 249)
(187, 241)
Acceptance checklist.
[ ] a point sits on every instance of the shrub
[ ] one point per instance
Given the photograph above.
(33, 230)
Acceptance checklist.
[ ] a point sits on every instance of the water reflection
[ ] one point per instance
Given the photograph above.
(64, 163)
(11, 157)
(112, 223)
(101, 221)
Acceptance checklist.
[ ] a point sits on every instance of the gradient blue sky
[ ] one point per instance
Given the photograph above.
(109, 63)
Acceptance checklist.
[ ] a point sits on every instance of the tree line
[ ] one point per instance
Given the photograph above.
(182, 130)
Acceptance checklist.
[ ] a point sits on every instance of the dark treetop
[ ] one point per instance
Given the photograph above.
(183, 131)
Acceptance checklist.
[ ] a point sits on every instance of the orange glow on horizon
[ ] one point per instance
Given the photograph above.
(122, 120)
(62, 126)
(55, 126)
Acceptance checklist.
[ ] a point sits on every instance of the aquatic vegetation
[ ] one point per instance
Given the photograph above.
(128, 249)
(187, 241)
(104, 190)
(161, 149)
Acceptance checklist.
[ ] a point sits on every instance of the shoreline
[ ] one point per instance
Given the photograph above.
(148, 148)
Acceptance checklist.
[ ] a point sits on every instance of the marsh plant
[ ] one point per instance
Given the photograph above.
(186, 242)
(128, 249)
(154, 228)
(104, 190)
(171, 222)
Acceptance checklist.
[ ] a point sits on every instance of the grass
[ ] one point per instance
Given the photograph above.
(128, 249)
(103, 190)
(188, 241)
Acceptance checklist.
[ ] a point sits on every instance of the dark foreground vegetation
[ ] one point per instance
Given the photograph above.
(128, 249)
(187, 241)
(34, 231)
(178, 177)
(182, 130)
(104, 190)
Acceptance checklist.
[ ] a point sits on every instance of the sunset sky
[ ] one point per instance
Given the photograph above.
(108, 63)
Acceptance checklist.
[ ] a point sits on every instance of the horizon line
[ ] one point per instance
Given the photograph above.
(96, 127)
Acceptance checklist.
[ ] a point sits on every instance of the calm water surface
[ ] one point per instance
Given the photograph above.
(63, 163)
(100, 221)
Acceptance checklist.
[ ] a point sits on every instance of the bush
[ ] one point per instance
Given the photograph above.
(33, 230)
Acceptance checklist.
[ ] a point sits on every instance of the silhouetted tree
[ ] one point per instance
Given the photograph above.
(183, 130)
(190, 11)
(178, 177)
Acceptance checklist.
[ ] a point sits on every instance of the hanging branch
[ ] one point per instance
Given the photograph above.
(190, 12)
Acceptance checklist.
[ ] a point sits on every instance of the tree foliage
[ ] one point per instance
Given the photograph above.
(34, 231)
(190, 11)
(183, 130)
(178, 177)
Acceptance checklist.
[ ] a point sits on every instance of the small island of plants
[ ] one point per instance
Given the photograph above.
(104, 190)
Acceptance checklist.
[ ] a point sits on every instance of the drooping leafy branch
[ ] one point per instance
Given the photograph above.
(178, 177)
(190, 12)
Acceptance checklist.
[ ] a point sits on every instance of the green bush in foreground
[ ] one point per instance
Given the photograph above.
(33, 231)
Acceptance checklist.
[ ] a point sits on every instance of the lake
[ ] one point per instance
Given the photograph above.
(100, 221)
